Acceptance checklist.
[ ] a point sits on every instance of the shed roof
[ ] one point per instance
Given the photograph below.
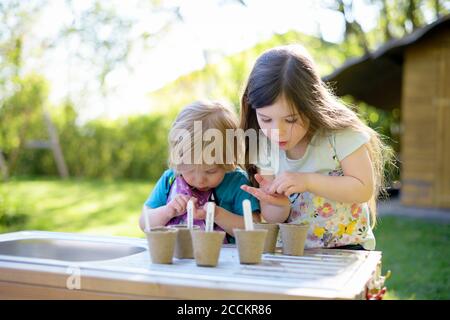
(376, 77)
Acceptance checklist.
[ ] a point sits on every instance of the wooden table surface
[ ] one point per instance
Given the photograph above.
(319, 274)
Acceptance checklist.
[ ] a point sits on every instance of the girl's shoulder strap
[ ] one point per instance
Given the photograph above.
(332, 144)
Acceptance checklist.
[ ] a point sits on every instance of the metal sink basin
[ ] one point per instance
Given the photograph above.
(67, 249)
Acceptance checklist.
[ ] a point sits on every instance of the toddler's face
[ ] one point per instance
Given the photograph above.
(202, 177)
(279, 116)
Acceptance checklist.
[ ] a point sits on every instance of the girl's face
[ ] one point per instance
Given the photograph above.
(202, 177)
(292, 129)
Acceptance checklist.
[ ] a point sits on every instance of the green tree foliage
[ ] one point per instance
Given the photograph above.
(105, 37)
(136, 147)
(16, 20)
(21, 117)
(395, 19)
(126, 148)
(225, 80)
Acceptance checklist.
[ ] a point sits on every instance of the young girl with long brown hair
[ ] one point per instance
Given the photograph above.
(330, 164)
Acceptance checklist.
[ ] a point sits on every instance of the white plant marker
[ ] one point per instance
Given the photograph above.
(210, 208)
(248, 218)
(190, 214)
(146, 219)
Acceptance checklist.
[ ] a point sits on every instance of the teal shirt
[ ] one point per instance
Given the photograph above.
(229, 193)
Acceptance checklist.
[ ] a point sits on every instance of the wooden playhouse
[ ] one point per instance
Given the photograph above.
(413, 74)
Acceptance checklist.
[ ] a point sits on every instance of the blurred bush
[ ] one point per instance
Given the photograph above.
(135, 147)
(13, 213)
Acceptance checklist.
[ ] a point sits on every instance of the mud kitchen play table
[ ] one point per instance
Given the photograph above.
(50, 265)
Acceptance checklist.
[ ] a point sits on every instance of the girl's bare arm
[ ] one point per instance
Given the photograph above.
(357, 184)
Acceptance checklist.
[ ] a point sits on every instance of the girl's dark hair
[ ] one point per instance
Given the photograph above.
(279, 72)
(289, 72)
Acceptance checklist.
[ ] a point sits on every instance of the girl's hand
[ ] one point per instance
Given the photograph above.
(178, 204)
(263, 194)
(288, 183)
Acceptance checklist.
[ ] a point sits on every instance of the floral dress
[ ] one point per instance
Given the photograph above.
(332, 223)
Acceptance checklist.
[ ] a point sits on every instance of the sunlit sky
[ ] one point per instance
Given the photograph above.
(223, 27)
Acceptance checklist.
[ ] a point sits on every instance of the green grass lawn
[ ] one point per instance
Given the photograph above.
(87, 206)
(418, 254)
(416, 251)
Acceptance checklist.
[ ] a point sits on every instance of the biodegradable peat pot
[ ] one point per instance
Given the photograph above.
(250, 244)
(293, 236)
(183, 245)
(207, 247)
(161, 244)
(272, 235)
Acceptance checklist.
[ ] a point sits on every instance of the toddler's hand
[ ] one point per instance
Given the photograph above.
(178, 204)
(200, 213)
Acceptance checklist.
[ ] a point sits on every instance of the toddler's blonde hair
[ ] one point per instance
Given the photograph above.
(213, 115)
